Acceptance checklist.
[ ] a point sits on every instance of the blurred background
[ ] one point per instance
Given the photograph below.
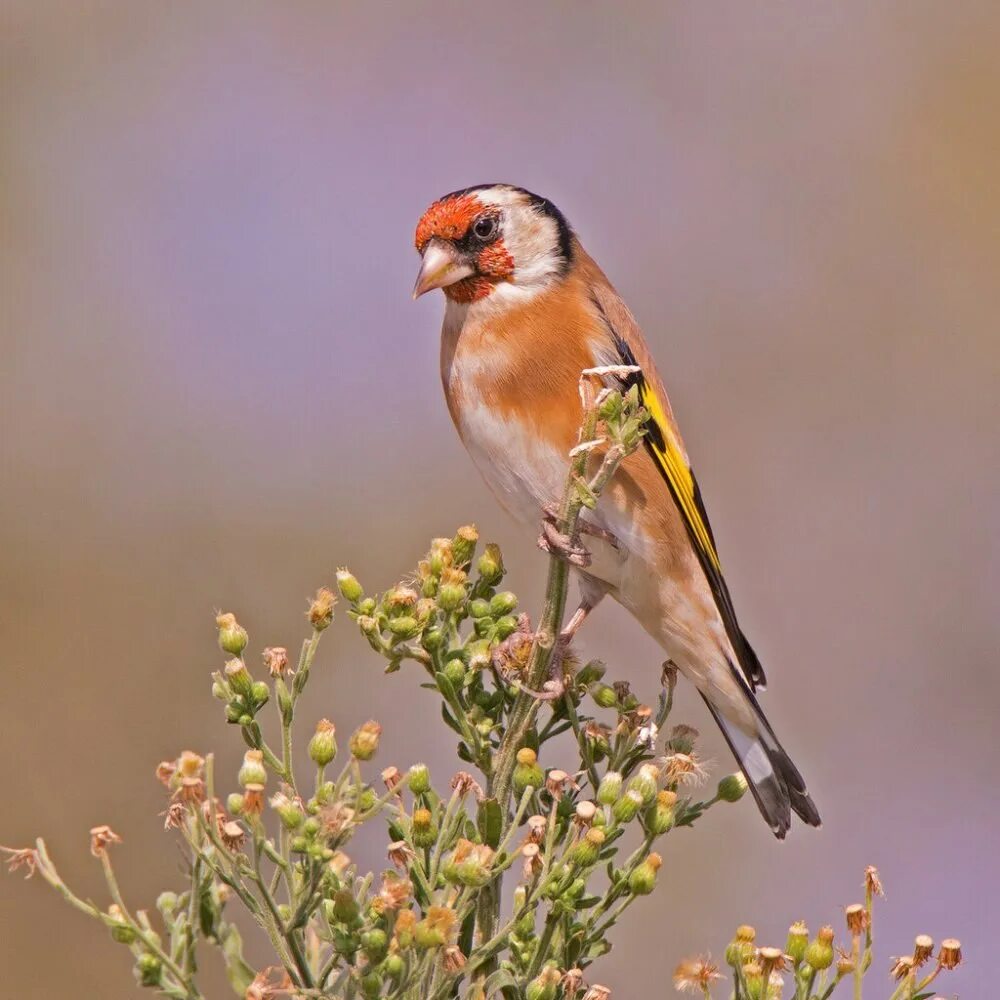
(214, 389)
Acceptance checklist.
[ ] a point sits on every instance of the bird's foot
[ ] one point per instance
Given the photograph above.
(553, 541)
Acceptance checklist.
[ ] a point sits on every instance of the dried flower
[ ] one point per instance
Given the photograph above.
(682, 739)
(391, 778)
(683, 769)
(950, 955)
(173, 816)
(400, 854)
(857, 919)
(269, 983)
(572, 983)
(101, 837)
(873, 884)
(923, 949)
(232, 834)
(453, 959)
(276, 661)
(395, 891)
(696, 975)
(463, 783)
(537, 826)
(902, 967)
(585, 812)
(597, 992)
(320, 612)
(21, 857)
(532, 856)
(557, 782)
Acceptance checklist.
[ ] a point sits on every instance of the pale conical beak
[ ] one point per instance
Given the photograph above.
(442, 266)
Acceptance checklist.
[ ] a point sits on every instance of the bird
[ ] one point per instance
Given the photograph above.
(527, 310)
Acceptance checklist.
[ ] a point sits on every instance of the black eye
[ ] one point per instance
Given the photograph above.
(485, 227)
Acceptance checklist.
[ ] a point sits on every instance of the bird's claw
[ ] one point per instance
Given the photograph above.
(550, 515)
(553, 541)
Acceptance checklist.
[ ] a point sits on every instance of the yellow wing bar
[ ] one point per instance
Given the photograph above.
(667, 452)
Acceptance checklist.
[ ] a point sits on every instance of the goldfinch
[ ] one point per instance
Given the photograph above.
(527, 310)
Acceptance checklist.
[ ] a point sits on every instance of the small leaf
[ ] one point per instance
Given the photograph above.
(490, 821)
(502, 979)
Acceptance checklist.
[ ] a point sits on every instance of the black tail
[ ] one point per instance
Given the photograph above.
(775, 782)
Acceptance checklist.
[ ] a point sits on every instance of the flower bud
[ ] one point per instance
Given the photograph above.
(148, 970)
(121, 931)
(604, 696)
(463, 545)
(232, 635)
(586, 851)
(424, 828)
(394, 967)
(502, 604)
(453, 592)
(404, 627)
(479, 608)
(345, 908)
(732, 787)
(797, 942)
(253, 771)
(591, 673)
(490, 566)
(348, 586)
(626, 808)
(375, 944)
(364, 740)
(288, 809)
(642, 881)
(418, 778)
(645, 783)
(234, 803)
(609, 789)
(819, 953)
(320, 612)
(260, 693)
(506, 627)
(661, 815)
(741, 948)
(454, 670)
(544, 985)
(527, 771)
(239, 678)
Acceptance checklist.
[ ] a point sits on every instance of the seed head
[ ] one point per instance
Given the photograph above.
(453, 959)
(463, 783)
(532, 856)
(696, 975)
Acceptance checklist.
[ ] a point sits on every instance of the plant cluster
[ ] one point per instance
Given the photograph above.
(579, 842)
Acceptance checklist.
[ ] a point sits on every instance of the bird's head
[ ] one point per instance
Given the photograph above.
(491, 240)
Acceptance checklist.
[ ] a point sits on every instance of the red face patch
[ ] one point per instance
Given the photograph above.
(448, 219)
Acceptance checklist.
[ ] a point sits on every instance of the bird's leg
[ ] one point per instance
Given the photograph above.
(554, 687)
